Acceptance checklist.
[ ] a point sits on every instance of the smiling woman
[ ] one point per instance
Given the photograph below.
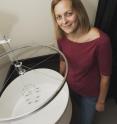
(89, 54)
(66, 17)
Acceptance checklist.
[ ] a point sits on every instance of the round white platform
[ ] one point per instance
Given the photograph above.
(21, 100)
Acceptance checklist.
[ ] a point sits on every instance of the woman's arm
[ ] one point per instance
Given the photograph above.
(104, 86)
(62, 66)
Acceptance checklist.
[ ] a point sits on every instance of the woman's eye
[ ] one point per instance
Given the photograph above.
(58, 17)
(69, 14)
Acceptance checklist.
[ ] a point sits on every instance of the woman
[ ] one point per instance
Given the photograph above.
(89, 55)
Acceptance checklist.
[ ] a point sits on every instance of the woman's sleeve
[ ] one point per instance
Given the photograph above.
(105, 56)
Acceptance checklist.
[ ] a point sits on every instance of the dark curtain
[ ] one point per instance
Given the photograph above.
(106, 20)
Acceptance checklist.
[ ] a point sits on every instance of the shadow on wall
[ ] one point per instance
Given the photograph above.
(7, 22)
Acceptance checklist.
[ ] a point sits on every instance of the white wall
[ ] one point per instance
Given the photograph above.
(30, 21)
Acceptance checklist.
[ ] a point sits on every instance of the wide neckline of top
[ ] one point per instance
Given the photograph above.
(83, 43)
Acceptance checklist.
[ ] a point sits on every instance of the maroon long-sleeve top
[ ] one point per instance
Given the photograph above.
(86, 62)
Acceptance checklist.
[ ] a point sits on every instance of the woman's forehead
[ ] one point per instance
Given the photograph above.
(63, 6)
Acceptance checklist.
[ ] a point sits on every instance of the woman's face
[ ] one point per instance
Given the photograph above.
(66, 17)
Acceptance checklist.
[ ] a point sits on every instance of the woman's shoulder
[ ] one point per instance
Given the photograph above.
(93, 33)
(96, 33)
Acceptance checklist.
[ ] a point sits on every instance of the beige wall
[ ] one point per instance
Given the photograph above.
(91, 7)
(26, 21)
(4, 65)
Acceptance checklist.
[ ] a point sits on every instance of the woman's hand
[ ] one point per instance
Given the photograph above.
(100, 106)
(104, 85)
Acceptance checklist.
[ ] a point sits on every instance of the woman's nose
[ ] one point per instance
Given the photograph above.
(64, 20)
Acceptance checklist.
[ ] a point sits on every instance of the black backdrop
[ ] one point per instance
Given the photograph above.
(106, 19)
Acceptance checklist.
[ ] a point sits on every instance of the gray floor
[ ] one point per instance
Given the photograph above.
(109, 116)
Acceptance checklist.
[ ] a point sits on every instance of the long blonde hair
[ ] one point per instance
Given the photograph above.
(83, 19)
